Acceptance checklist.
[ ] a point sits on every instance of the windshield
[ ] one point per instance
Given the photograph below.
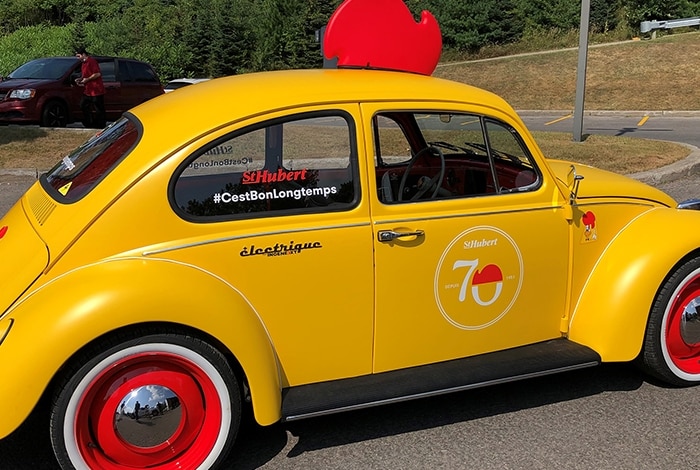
(45, 69)
(80, 171)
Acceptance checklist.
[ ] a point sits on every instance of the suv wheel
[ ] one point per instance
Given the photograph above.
(55, 114)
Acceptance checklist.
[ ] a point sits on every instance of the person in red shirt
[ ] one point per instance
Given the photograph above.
(94, 92)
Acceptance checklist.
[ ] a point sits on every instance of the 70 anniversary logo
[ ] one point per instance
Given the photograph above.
(478, 278)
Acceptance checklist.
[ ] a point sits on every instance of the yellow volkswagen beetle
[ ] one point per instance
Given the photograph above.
(318, 241)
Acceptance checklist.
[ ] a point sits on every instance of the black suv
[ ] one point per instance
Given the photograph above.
(43, 90)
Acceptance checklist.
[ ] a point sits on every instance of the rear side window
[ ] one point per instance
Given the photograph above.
(303, 164)
(107, 71)
(137, 72)
(86, 166)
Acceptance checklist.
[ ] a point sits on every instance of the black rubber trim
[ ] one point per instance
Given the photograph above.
(524, 362)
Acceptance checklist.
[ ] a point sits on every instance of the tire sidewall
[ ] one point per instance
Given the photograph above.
(673, 368)
(201, 354)
(54, 105)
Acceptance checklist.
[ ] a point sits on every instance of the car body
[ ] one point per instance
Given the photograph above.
(43, 91)
(173, 85)
(321, 241)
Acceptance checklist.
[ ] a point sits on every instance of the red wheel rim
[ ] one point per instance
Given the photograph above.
(189, 443)
(683, 348)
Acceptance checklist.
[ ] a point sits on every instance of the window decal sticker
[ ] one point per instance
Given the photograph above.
(267, 176)
(68, 163)
(267, 195)
(65, 188)
(478, 278)
(226, 162)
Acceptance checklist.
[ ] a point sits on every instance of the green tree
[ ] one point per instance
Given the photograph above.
(644, 10)
(286, 33)
(605, 15)
(31, 42)
(551, 14)
(221, 37)
(469, 26)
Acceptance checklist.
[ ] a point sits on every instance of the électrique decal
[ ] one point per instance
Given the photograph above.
(478, 278)
(280, 249)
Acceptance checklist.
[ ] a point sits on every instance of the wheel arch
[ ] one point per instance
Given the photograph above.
(612, 310)
(132, 331)
(69, 323)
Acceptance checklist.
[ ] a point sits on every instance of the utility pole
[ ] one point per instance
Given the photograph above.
(581, 70)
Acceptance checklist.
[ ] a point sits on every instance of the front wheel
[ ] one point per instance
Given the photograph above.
(159, 401)
(55, 114)
(672, 342)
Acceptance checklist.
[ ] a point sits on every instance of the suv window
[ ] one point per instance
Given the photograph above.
(87, 165)
(136, 72)
(302, 164)
(107, 70)
(50, 68)
(447, 155)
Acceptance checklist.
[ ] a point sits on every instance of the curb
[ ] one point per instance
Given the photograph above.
(690, 165)
(628, 113)
(35, 172)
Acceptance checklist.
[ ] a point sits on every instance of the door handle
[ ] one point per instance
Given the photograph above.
(390, 235)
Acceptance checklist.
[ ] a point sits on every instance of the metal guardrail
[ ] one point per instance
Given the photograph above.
(648, 26)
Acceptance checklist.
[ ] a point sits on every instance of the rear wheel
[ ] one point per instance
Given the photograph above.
(672, 343)
(55, 114)
(159, 401)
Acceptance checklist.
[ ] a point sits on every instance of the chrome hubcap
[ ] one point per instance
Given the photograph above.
(148, 416)
(690, 322)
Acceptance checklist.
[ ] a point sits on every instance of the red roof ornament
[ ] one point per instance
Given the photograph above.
(382, 34)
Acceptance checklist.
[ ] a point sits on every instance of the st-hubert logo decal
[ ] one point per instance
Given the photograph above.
(590, 233)
(478, 278)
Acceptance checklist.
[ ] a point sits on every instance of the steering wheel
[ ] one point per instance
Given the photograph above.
(425, 183)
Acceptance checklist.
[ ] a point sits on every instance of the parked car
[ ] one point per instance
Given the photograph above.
(173, 85)
(43, 91)
(315, 241)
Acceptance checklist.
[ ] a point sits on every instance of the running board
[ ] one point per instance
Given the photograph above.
(549, 357)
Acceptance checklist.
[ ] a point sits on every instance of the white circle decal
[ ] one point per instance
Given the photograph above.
(478, 278)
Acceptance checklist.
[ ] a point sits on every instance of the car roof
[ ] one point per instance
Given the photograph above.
(220, 101)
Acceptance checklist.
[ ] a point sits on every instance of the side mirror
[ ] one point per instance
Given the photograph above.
(573, 180)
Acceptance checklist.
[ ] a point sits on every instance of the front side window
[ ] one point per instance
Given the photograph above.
(87, 165)
(302, 164)
(432, 155)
